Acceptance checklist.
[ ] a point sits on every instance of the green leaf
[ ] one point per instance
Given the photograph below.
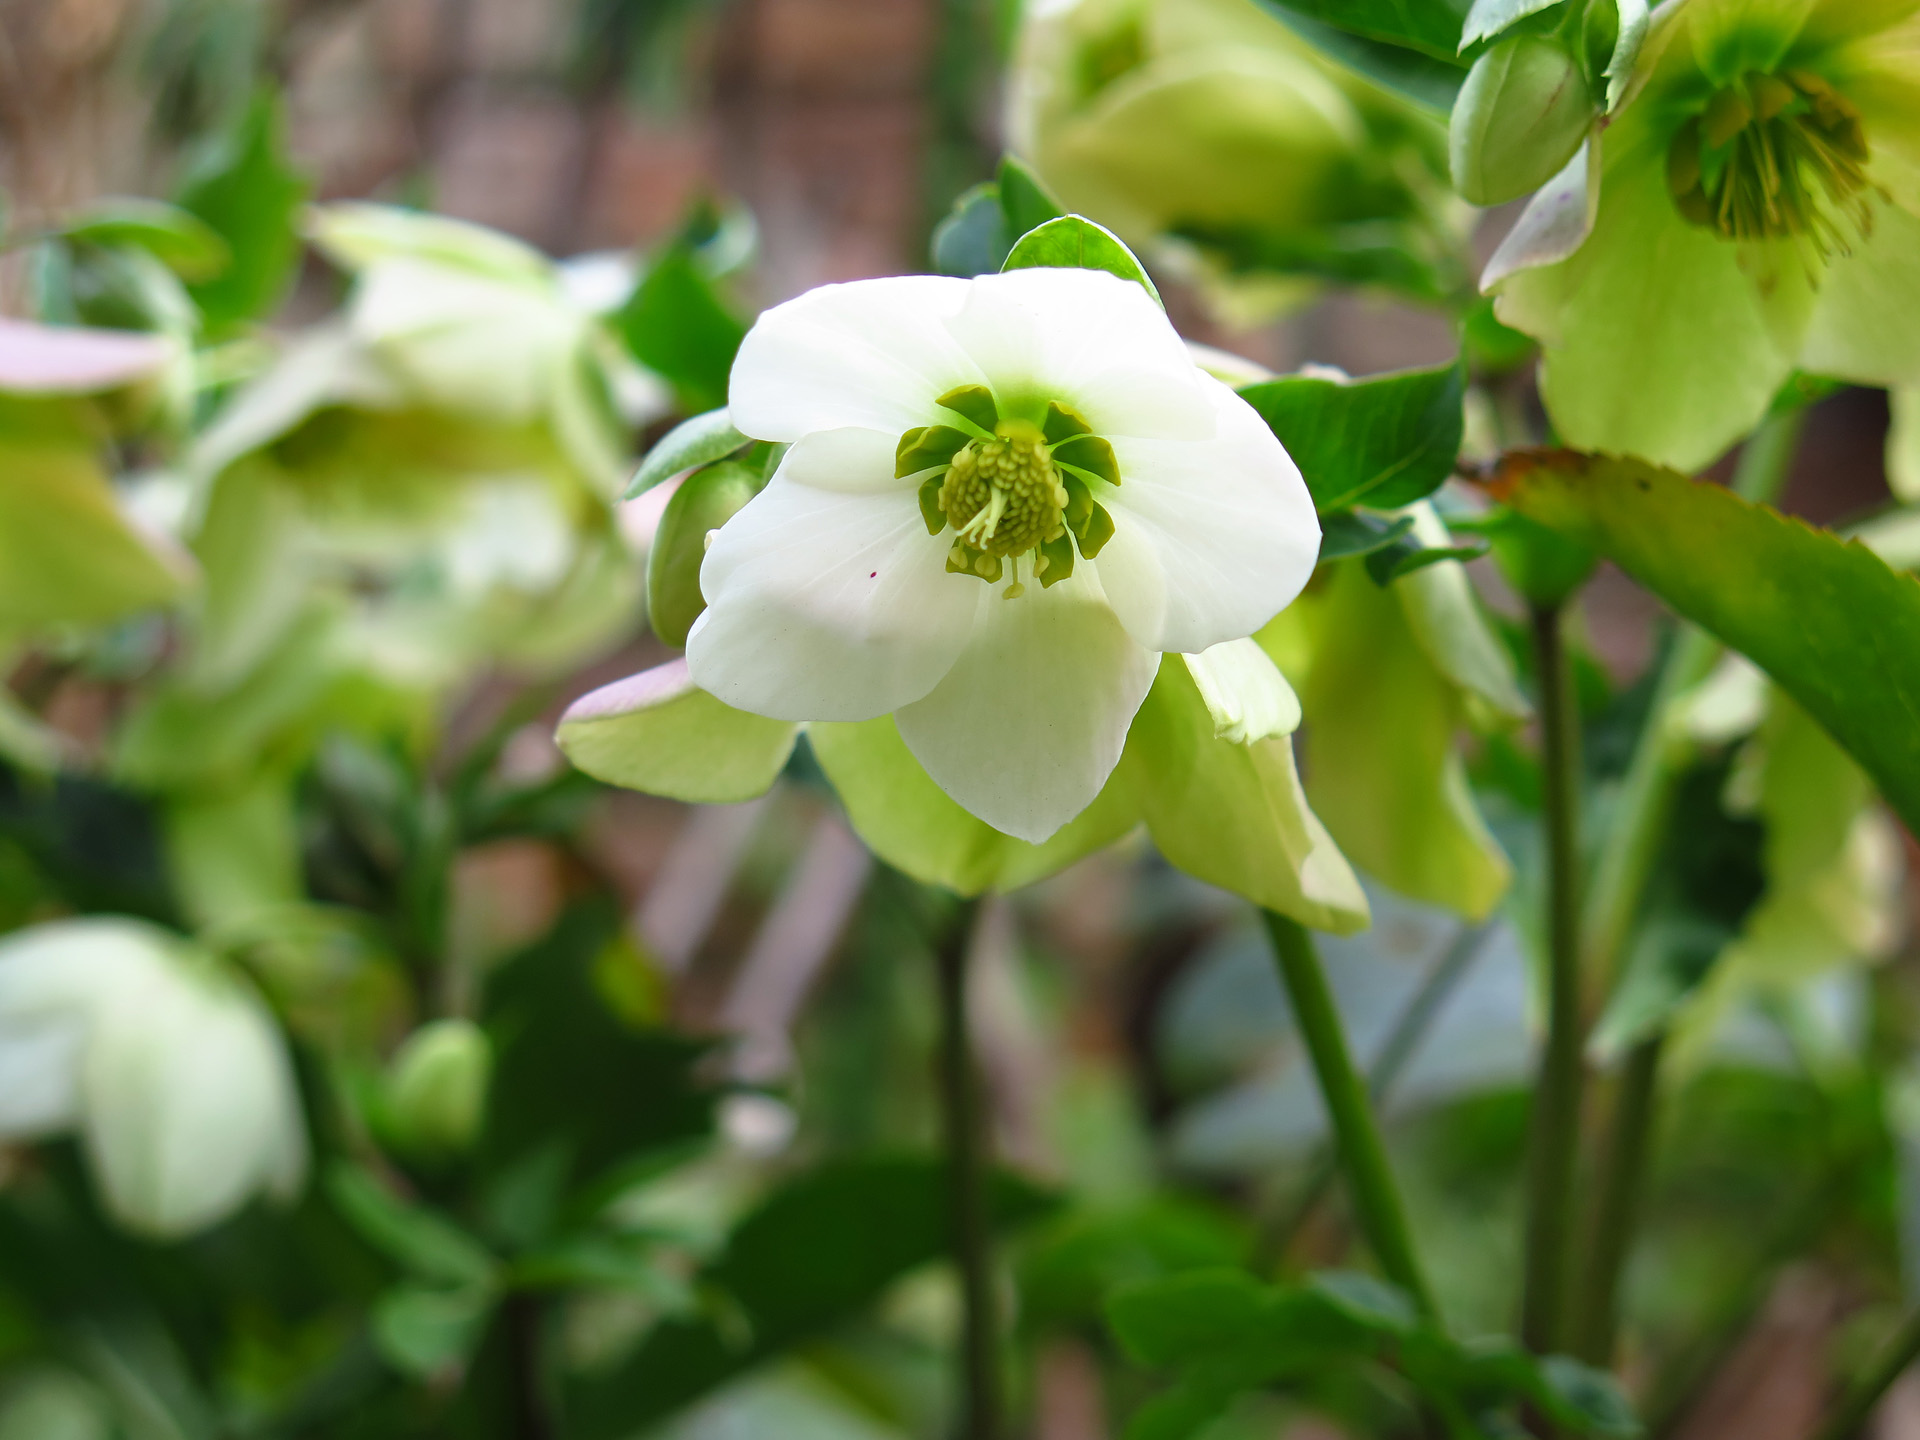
(426, 1332)
(699, 441)
(1415, 74)
(420, 1241)
(67, 553)
(1074, 242)
(1070, 1268)
(1432, 27)
(1836, 627)
(972, 239)
(1385, 441)
(181, 241)
(1407, 554)
(660, 733)
(676, 324)
(915, 826)
(1349, 532)
(1489, 17)
(814, 1255)
(250, 195)
(1026, 203)
(705, 501)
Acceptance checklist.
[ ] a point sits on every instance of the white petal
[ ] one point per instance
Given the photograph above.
(1212, 538)
(1090, 339)
(827, 606)
(1029, 723)
(873, 353)
(1244, 691)
(853, 460)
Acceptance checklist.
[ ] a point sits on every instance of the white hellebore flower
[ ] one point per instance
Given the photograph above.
(1006, 497)
(170, 1068)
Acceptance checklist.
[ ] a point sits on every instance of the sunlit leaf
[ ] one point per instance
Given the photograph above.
(250, 195)
(1074, 242)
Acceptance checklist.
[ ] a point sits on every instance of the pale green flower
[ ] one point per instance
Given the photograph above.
(1752, 209)
(168, 1065)
(1210, 124)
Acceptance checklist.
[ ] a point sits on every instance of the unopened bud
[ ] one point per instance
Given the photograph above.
(437, 1088)
(1522, 114)
(705, 501)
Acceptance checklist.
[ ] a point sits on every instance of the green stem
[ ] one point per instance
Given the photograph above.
(1383, 1076)
(1855, 1410)
(1623, 1172)
(1637, 826)
(1553, 1142)
(1376, 1198)
(966, 1158)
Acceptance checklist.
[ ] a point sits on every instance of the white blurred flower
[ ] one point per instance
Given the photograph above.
(1045, 428)
(168, 1066)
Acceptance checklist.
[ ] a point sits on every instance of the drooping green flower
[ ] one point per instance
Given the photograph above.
(1752, 209)
(169, 1066)
(1207, 128)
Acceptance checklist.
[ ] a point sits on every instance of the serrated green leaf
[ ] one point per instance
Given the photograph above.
(250, 195)
(1489, 17)
(1385, 441)
(1074, 242)
(699, 441)
(1827, 618)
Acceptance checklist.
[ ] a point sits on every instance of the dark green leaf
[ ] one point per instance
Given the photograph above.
(1834, 626)
(1026, 203)
(420, 1241)
(699, 441)
(1352, 532)
(1406, 555)
(249, 193)
(1387, 440)
(973, 239)
(1075, 242)
(426, 1332)
(184, 243)
(814, 1255)
(1431, 27)
(1421, 77)
(676, 324)
(1071, 1267)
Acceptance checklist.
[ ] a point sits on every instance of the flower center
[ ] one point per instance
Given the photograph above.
(1775, 156)
(1010, 487)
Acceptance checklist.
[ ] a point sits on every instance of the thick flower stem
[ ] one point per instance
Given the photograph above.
(1553, 1142)
(1847, 1421)
(1622, 1170)
(1376, 1198)
(967, 1185)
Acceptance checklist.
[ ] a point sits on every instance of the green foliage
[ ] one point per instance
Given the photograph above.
(705, 501)
(249, 195)
(1835, 627)
(698, 441)
(1432, 27)
(1223, 1332)
(1383, 441)
(174, 235)
(975, 238)
(678, 325)
(815, 1253)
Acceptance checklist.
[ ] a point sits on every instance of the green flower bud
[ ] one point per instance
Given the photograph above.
(436, 1088)
(705, 501)
(1524, 111)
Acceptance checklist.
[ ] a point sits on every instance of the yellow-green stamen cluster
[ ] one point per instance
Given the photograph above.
(1773, 157)
(1010, 487)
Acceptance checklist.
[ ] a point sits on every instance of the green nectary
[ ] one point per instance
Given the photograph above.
(1010, 486)
(1775, 156)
